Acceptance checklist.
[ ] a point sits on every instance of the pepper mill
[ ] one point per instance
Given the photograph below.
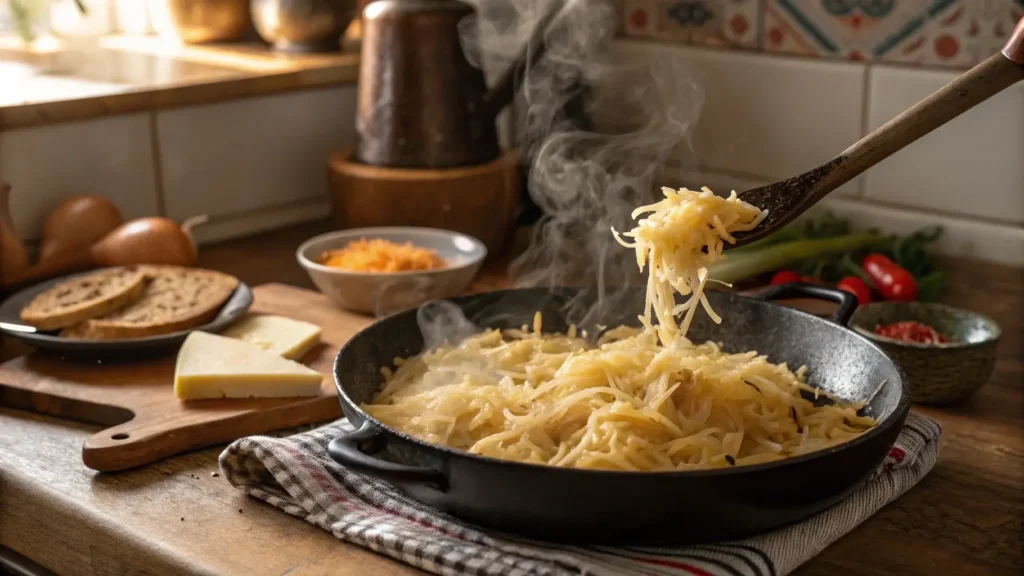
(421, 103)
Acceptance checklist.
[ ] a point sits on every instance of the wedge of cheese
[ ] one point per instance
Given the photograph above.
(211, 366)
(277, 334)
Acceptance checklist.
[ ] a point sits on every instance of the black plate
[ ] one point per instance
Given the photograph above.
(617, 507)
(10, 312)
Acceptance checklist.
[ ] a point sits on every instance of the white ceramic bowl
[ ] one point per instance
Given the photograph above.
(383, 293)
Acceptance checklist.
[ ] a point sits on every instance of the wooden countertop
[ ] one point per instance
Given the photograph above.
(64, 80)
(964, 518)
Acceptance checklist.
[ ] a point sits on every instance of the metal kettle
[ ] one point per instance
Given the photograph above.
(420, 103)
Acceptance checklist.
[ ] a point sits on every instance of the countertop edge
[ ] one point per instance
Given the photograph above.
(87, 535)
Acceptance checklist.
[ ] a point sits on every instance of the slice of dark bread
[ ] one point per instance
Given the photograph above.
(77, 300)
(176, 299)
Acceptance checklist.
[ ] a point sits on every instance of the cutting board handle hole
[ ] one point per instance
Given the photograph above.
(120, 436)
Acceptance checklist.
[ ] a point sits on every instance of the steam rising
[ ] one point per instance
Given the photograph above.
(443, 322)
(586, 181)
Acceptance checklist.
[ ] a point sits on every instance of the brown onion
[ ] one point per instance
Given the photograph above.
(152, 240)
(142, 241)
(78, 222)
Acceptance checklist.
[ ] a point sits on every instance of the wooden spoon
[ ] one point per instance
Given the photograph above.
(787, 199)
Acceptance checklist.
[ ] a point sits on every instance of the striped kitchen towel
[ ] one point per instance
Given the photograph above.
(295, 474)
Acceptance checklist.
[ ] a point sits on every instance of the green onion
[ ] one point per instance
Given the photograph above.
(750, 263)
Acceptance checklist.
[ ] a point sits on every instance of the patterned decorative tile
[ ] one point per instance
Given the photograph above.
(934, 32)
(964, 33)
(854, 29)
(732, 23)
(638, 18)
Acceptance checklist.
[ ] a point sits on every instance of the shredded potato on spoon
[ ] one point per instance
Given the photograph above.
(678, 239)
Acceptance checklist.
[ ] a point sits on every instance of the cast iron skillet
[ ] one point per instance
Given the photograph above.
(603, 506)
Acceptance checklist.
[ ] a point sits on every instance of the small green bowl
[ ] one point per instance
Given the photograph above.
(939, 373)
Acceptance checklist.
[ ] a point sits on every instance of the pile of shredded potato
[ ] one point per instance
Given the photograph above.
(643, 400)
(378, 255)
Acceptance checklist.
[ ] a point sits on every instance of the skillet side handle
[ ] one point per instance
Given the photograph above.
(345, 451)
(846, 300)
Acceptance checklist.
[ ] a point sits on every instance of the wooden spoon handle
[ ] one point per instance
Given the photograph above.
(978, 84)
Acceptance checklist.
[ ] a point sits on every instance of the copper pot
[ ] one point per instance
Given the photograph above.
(303, 25)
(420, 103)
(198, 21)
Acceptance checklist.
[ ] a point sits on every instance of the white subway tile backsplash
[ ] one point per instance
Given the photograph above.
(974, 165)
(962, 237)
(248, 223)
(109, 157)
(718, 182)
(768, 117)
(250, 154)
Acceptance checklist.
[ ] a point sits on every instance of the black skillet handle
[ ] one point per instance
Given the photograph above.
(345, 451)
(846, 300)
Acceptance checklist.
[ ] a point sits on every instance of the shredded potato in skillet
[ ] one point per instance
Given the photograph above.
(643, 400)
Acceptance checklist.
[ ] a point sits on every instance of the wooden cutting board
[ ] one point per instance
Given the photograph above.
(135, 399)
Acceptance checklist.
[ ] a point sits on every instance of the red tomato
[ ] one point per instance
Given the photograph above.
(857, 287)
(892, 281)
(785, 277)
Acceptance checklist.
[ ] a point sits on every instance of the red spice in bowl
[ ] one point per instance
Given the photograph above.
(911, 331)
(941, 371)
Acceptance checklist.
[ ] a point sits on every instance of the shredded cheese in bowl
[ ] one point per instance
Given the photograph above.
(377, 255)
